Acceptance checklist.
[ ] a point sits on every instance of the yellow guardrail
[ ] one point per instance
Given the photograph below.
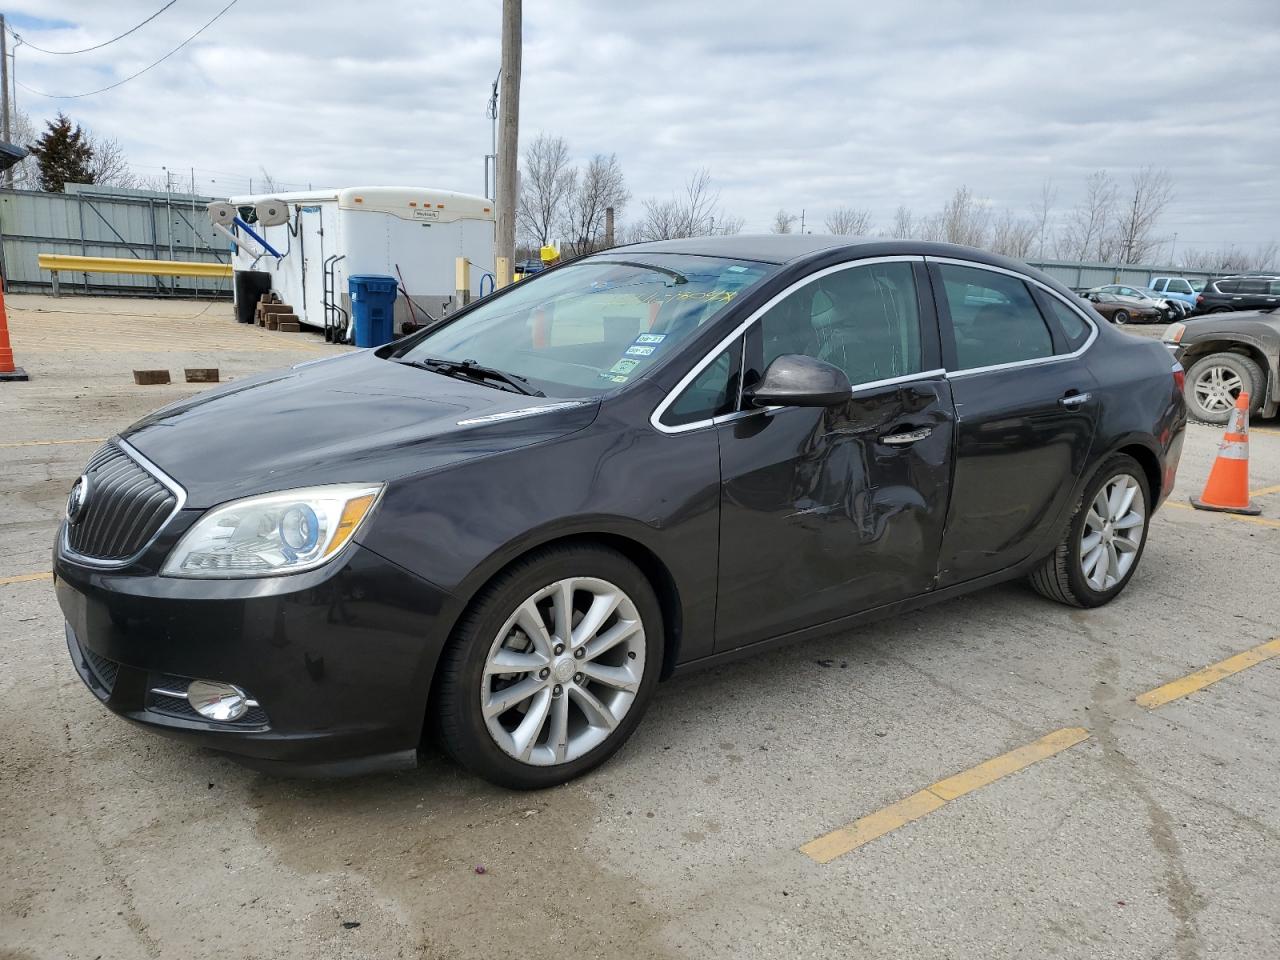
(67, 263)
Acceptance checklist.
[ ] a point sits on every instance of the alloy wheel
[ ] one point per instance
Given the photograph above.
(1216, 389)
(563, 671)
(1113, 531)
(1120, 317)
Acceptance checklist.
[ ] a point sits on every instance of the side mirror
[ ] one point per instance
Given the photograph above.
(794, 380)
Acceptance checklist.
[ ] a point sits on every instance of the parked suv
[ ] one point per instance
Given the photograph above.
(1177, 288)
(1239, 293)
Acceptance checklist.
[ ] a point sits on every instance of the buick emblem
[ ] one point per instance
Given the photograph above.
(76, 500)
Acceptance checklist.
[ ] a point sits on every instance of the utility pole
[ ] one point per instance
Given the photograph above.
(4, 98)
(802, 220)
(508, 140)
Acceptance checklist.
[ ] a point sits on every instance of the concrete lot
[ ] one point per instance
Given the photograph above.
(1157, 836)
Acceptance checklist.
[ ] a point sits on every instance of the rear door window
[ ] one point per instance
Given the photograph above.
(1251, 286)
(1159, 285)
(1075, 330)
(994, 318)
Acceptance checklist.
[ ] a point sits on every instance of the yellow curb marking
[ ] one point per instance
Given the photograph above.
(1261, 521)
(924, 802)
(47, 443)
(26, 577)
(1264, 491)
(1211, 674)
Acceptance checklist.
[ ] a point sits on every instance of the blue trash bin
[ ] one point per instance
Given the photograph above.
(373, 308)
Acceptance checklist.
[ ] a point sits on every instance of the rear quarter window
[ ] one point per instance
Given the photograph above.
(1075, 329)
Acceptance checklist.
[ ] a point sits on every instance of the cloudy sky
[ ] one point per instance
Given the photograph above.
(801, 104)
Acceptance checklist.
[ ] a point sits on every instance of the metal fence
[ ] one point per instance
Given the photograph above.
(1084, 275)
(97, 221)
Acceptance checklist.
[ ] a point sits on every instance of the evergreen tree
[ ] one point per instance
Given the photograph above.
(64, 154)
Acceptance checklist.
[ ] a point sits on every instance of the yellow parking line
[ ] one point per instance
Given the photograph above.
(1261, 521)
(1267, 430)
(26, 577)
(924, 802)
(1264, 491)
(48, 443)
(1192, 682)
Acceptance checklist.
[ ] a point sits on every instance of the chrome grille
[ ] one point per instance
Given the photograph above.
(125, 507)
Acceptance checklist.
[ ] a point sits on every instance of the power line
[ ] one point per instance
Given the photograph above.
(77, 96)
(67, 53)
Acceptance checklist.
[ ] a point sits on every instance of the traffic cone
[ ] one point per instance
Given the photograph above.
(1228, 488)
(7, 370)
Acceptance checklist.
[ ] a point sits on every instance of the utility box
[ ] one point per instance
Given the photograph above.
(373, 306)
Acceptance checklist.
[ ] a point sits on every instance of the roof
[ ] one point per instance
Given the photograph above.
(764, 248)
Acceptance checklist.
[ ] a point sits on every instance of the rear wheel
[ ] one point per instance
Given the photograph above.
(1214, 382)
(1104, 540)
(552, 668)
(1120, 317)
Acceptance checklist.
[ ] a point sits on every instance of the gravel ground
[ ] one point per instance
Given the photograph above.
(1159, 836)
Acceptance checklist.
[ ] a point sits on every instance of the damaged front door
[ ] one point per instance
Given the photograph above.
(827, 512)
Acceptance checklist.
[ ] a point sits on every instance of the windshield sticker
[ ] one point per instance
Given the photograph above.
(614, 377)
(651, 338)
(697, 296)
(624, 366)
(639, 351)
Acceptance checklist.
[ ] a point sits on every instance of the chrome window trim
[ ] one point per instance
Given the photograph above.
(1034, 361)
(180, 495)
(655, 418)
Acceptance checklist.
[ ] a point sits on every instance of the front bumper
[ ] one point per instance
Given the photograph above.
(340, 659)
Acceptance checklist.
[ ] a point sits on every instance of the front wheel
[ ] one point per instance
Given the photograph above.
(1103, 542)
(551, 669)
(1120, 317)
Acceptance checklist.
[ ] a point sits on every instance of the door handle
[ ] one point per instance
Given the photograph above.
(906, 437)
(1075, 399)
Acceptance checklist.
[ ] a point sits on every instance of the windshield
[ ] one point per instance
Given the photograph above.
(592, 326)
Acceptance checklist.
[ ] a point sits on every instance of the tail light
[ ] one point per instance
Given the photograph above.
(1199, 299)
(1174, 333)
(1179, 377)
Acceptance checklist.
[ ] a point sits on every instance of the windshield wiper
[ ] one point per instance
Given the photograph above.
(470, 370)
(679, 277)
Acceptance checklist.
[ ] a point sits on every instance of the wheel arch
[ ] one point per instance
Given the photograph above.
(654, 569)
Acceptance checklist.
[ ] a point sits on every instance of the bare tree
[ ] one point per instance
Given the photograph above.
(965, 219)
(26, 172)
(783, 222)
(108, 164)
(1011, 235)
(1042, 215)
(904, 223)
(547, 184)
(693, 213)
(850, 222)
(1086, 234)
(600, 185)
(1135, 230)
(932, 227)
(1232, 259)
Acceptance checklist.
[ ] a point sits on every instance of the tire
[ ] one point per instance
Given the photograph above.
(1220, 310)
(1120, 318)
(500, 746)
(1210, 399)
(1063, 575)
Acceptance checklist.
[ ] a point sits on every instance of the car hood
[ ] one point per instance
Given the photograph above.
(353, 418)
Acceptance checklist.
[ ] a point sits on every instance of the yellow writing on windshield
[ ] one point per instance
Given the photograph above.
(697, 296)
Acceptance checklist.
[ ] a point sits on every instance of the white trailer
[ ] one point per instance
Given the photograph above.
(414, 233)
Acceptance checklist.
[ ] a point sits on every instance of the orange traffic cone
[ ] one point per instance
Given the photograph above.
(7, 370)
(1228, 488)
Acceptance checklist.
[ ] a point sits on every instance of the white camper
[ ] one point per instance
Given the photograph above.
(307, 244)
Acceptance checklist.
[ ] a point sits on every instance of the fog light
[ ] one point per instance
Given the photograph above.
(217, 701)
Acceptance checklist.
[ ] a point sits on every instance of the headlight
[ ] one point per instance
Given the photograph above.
(273, 534)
